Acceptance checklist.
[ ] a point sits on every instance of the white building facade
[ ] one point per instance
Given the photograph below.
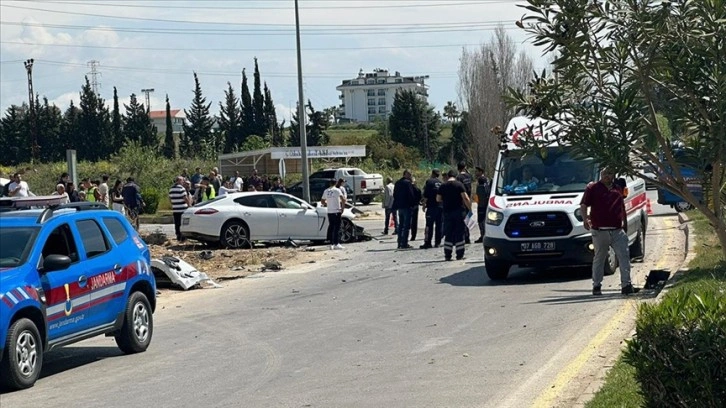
(369, 97)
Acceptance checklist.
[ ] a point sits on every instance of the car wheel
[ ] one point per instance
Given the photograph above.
(637, 249)
(366, 200)
(497, 270)
(135, 334)
(23, 357)
(347, 231)
(682, 206)
(235, 234)
(611, 264)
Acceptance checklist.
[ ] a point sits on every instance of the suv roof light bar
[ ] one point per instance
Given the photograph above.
(79, 206)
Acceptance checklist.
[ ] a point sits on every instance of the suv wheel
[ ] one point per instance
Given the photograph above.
(366, 200)
(135, 334)
(497, 270)
(23, 357)
(637, 250)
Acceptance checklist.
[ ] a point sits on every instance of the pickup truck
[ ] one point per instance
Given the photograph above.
(365, 186)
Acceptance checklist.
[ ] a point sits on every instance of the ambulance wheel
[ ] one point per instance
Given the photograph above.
(497, 270)
(637, 249)
(20, 366)
(135, 334)
(611, 264)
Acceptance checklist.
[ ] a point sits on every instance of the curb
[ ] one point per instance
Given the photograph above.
(690, 255)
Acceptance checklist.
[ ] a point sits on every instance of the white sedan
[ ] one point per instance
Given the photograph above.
(237, 220)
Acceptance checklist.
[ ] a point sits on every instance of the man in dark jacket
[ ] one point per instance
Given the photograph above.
(417, 194)
(481, 198)
(433, 211)
(465, 178)
(403, 200)
(455, 202)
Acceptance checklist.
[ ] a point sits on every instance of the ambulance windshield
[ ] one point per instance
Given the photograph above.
(552, 170)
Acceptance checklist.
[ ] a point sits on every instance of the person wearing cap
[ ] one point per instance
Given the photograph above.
(455, 204)
(433, 211)
(481, 198)
(608, 224)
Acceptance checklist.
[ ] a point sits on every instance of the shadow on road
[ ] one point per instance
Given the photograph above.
(476, 276)
(69, 358)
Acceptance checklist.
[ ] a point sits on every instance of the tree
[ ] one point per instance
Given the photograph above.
(94, 139)
(169, 149)
(258, 105)
(198, 126)
(70, 127)
(50, 120)
(485, 74)
(273, 128)
(613, 58)
(315, 128)
(248, 112)
(116, 123)
(138, 126)
(254, 142)
(451, 112)
(456, 149)
(414, 123)
(230, 120)
(14, 133)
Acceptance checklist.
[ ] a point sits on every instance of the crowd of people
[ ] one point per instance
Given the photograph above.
(446, 204)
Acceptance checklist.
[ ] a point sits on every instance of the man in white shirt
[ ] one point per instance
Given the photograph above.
(237, 182)
(103, 190)
(18, 188)
(60, 190)
(334, 200)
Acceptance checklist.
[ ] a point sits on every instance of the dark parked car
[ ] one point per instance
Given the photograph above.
(317, 187)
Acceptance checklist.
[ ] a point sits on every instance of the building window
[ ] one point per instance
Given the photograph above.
(371, 109)
(381, 109)
(371, 101)
(371, 92)
(399, 80)
(381, 81)
(381, 101)
(381, 92)
(370, 81)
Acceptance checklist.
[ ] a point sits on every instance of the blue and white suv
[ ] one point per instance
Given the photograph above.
(67, 273)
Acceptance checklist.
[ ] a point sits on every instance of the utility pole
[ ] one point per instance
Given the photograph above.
(95, 86)
(147, 91)
(301, 113)
(31, 100)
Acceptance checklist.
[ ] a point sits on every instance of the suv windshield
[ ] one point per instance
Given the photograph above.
(553, 170)
(15, 245)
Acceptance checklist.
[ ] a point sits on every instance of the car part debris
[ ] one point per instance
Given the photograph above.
(182, 273)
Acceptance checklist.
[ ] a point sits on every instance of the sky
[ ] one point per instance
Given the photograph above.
(158, 44)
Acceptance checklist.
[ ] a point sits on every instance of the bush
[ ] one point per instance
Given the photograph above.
(679, 350)
(151, 198)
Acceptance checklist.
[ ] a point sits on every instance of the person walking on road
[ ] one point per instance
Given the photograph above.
(608, 224)
(388, 207)
(433, 211)
(180, 200)
(481, 198)
(455, 205)
(334, 200)
(404, 199)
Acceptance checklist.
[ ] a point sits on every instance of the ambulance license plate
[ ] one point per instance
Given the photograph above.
(538, 246)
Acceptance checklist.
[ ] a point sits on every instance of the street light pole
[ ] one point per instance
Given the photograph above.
(301, 113)
(31, 100)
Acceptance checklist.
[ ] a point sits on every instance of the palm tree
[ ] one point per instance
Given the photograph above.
(451, 112)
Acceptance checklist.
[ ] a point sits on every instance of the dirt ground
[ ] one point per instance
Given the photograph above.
(226, 264)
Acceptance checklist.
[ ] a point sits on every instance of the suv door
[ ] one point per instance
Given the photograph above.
(67, 293)
(104, 267)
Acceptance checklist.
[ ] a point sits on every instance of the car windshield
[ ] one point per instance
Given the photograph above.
(15, 245)
(552, 170)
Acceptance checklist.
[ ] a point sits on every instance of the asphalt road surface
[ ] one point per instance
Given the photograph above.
(367, 327)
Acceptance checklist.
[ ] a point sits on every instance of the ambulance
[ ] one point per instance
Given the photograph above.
(533, 217)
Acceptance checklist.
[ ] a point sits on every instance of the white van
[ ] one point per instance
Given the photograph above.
(533, 217)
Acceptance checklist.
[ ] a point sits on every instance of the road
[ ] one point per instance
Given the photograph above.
(367, 327)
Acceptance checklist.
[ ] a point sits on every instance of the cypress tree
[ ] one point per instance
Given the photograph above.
(118, 137)
(230, 120)
(169, 150)
(248, 115)
(272, 127)
(70, 127)
(258, 108)
(138, 126)
(94, 135)
(13, 136)
(198, 127)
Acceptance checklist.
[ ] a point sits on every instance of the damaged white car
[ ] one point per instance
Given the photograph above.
(238, 220)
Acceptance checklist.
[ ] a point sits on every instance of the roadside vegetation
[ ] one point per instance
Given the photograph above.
(678, 355)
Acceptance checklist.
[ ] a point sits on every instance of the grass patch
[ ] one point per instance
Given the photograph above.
(620, 389)
(706, 270)
(346, 137)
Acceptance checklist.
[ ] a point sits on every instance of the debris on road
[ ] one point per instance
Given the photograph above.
(181, 273)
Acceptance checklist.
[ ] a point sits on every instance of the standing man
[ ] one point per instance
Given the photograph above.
(403, 202)
(196, 178)
(388, 207)
(18, 188)
(456, 205)
(103, 190)
(465, 178)
(180, 200)
(237, 182)
(341, 185)
(433, 210)
(205, 191)
(481, 198)
(131, 192)
(334, 200)
(415, 209)
(608, 224)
